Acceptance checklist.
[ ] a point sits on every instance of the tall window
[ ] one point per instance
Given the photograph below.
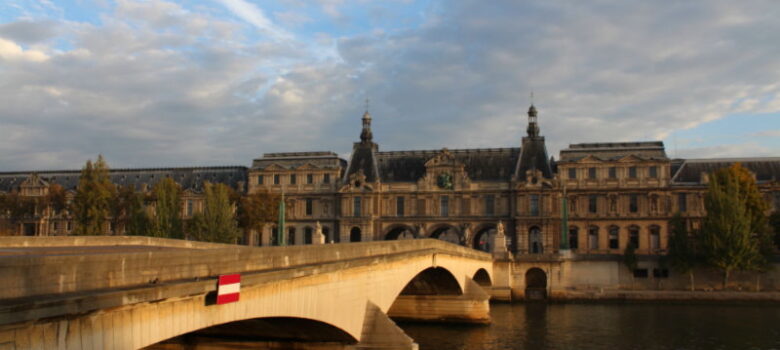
(326, 178)
(614, 240)
(445, 206)
(682, 202)
(633, 236)
(309, 178)
(276, 179)
(309, 206)
(190, 208)
(307, 235)
(654, 172)
(534, 205)
(490, 204)
(592, 173)
(655, 237)
(632, 172)
(574, 237)
(593, 237)
(593, 203)
(633, 205)
(291, 236)
(293, 179)
(572, 173)
(613, 173)
(356, 206)
(259, 179)
(399, 206)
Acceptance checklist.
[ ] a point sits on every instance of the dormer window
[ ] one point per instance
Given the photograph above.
(653, 172)
(572, 173)
(613, 173)
(592, 173)
(309, 178)
(632, 172)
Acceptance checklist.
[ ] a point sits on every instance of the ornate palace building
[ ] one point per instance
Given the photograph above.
(617, 193)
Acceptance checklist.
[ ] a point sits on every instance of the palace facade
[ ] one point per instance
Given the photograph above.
(618, 193)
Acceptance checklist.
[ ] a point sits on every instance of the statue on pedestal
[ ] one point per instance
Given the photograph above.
(319, 237)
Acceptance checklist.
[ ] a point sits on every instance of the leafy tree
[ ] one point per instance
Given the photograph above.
(734, 230)
(217, 222)
(682, 249)
(130, 214)
(92, 203)
(774, 223)
(167, 220)
(57, 198)
(257, 209)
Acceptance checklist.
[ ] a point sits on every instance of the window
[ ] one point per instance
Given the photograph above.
(592, 173)
(633, 203)
(640, 273)
(660, 273)
(682, 202)
(573, 238)
(572, 173)
(490, 204)
(356, 206)
(632, 172)
(614, 237)
(326, 178)
(593, 203)
(309, 178)
(399, 206)
(307, 235)
(534, 205)
(633, 236)
(593, 237)
(293, 179)
(276, 179)
(654, 172)
(445, 206)
(69, 226)
(190, 207)
(309, 206)
(655, 237)
(259, 179)
(291, 236)
(613, 173)
(55, 226)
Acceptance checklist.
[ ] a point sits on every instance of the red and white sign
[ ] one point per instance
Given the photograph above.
(228, 288)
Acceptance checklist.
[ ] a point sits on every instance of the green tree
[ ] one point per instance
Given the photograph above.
(217, 222)
(682, 249)
(92, 203)
(257, 209)
(734, 230)
(130, 214)
(167, 220)
(774, 223)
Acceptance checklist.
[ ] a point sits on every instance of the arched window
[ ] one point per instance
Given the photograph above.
(655, 237)
(614, 237)
(273, 240)
(633, 236)
(483, 240)
(291, 236)
(535, 241)
(574, 232)
(593, 237)
(326, 233)
(307, 235)
(354, 234)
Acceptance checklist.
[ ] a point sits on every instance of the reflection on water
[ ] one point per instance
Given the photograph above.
(609, 326)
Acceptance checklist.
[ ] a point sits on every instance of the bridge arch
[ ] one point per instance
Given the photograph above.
(535, 284)
(433, 281)
(482, 278)
(400, 231)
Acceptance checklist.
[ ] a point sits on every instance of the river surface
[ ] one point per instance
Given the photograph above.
(609, 326)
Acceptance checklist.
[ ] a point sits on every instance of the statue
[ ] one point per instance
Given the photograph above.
(445, 181)
(499, 243)
(320, 238)
(500, 229)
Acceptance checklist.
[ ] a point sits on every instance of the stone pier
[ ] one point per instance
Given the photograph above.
(470, 307)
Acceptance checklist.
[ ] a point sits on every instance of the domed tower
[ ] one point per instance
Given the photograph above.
(533, 152)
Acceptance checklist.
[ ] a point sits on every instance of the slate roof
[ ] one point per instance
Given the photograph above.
(533, 156)
(766, 169)
(293, 160)
(363, 159)
(650, 150)
(189, 178)
(482, 164)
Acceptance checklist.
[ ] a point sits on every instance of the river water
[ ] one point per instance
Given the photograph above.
(609, 326)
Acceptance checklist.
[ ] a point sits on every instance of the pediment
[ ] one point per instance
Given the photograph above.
(630, 158)
(590, 159)
(274, 166)
(307, 166)
(34, 181)
(445, 158)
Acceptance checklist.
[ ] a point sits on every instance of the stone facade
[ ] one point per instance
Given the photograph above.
(617, 193)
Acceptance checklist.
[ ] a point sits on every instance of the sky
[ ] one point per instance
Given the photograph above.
(198, 83)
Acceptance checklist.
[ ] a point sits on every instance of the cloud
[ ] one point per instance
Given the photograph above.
(10, 51)
(254, 15)
(28, 32)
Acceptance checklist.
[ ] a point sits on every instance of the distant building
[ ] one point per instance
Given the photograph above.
(618, 193)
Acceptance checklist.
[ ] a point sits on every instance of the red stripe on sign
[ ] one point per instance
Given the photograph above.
(229, 279)
(227, 298)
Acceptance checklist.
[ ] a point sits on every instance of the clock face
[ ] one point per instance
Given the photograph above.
(444, 181)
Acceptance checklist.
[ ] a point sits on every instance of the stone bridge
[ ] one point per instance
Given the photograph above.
(136, 292)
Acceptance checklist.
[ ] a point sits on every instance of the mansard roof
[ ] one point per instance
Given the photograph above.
(191, 178)
(295, 160)
(481, 164)
(648, 150)
(765, 168)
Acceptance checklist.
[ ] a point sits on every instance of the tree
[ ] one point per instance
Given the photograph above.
(167, 215)
(682, 248)
(630, 259)
(217, 222)
(734, 230)
(774, 223)
(130, 214)
(257, 209)
(92, 203)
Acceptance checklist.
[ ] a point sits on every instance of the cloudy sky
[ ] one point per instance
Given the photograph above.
(190, 83)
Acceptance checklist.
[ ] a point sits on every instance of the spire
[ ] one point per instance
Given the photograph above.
(366, 136)
(533, 127)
